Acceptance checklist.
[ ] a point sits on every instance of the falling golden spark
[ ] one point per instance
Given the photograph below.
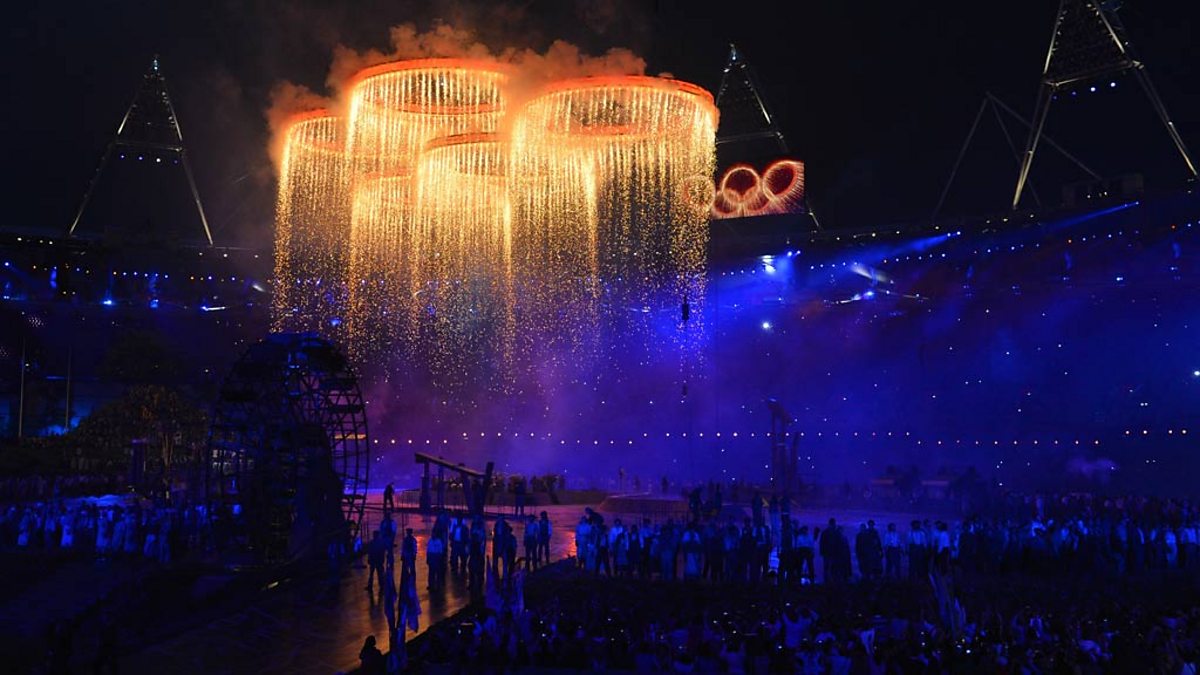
(603, 238)
(312, 225)
(571, 242)
(395, 110)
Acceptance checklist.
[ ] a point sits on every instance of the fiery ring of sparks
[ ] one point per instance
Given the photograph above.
(697, 192)
(462, 217)
(435, 68)
(743, 191)
(303, 132)
(618, 91)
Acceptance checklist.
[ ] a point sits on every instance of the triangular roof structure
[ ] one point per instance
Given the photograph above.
(148, 137)
(746, 118)
(1089, 42)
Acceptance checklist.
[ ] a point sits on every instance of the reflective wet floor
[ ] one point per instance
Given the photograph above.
(315, 628)
(312, 627)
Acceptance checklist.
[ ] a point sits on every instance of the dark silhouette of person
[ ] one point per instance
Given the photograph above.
(530, 539)
(869, 550)
(389, 497)
(500, 548)
(370, 657)
(387, 529)
(891, 551)
(829, 549)
(476, 555)
(519, 498)
(543, 550)
(376, 555)
(435, 557)
(746, 552)
(408, 555)
(459, 538)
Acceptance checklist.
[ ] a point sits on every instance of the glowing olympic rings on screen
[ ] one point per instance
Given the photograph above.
(743, 191)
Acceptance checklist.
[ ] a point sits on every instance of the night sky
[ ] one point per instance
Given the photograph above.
(875, 97)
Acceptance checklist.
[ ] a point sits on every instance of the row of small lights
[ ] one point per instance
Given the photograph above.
(818, 236)
(769, 268)
(147, 275)
(819, 434)
(50, 242)
(1011, 248)
(753, 270)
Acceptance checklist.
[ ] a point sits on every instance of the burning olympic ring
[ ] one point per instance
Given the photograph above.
(743, 192)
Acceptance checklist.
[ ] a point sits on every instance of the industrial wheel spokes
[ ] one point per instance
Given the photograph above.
(288, 451)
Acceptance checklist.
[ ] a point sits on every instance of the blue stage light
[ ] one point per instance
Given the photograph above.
(766, 325)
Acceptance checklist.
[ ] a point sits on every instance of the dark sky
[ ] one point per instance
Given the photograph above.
(875, 97)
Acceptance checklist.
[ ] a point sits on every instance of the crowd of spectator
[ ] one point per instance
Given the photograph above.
(1027, 586)
(105, 527)
(1080, 534)
(39, 487)
(574, 620)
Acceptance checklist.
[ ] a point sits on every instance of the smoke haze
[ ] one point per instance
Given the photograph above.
(560, 60)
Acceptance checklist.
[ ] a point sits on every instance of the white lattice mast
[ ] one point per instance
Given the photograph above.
(1088, 43)
(149, 125)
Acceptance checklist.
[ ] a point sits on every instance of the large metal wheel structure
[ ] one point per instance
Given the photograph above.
(288, 451)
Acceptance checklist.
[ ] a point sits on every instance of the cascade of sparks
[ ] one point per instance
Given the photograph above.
(602, 230)
(574, 241)
(382, 279)
(395, 110)
(465, 221)
(312, 226)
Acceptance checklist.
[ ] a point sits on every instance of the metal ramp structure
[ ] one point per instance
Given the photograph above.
(476, 484)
